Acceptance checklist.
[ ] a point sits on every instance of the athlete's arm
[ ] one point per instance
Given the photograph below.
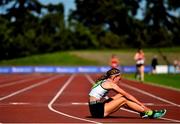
(136, 56)
(127, 95)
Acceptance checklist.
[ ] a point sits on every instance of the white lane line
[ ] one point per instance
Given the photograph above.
(149, 94)
(13, 78)
(58, 95)
(90, 79)
(19, 81)
(15, 103)
(167, 119)
(19, 103)
(147, 104)
(29, 87)
(68, 104)
(146, 93)
(79, 103)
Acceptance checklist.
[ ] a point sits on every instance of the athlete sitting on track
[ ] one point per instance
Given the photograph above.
(101, 106)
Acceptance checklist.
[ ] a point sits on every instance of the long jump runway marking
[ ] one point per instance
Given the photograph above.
(58, 95)
(146, 93)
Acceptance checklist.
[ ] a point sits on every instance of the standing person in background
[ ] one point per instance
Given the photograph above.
(140, 59)
(154, 63)
(114, 62)
(176, 64)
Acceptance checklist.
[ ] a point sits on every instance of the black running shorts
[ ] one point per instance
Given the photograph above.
(97, 108)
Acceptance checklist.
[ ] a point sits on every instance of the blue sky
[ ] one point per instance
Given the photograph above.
(68, 4)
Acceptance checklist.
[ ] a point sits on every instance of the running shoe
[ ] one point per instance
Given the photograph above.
(153, 114)
(146, 114)
(158, 113)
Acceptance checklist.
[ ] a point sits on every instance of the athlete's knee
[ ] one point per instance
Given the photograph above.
(119, 95)
(106, 114)
(123, 100)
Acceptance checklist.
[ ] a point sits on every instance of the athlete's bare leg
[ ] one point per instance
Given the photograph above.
(142, 72)
(120, 101)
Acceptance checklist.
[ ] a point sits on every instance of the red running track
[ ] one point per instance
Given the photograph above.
(58, 98)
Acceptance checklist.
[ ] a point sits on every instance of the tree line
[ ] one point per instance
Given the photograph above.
(29, 27)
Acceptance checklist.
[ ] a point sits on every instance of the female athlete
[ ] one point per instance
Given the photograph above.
(101, 106)
(140, 58)
(114, 62)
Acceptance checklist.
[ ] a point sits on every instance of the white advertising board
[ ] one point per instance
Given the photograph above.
(162, 69)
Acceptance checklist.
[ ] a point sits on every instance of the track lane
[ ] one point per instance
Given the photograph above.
(66, 95)
(13, 77)
(165, 93)
(24, 80)
(77, 92)
(157, 95)
(34, 104)
(35, 108)
(6, 90)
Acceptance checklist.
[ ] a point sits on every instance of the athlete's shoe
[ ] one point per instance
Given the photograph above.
(158, 113)
(153, 114)
(146, 114)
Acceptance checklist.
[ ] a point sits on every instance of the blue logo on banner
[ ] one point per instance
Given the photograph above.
(128, 69)
(66, 69)
(88, 69)
(147, 69)
(22, 69)
(44, 69)
(5, 69)
(104, 68)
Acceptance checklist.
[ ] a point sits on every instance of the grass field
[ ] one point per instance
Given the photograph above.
(169, 80)
(95, 57)
(58, 58)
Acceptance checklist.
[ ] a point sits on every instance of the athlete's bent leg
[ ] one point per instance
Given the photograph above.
(115, 104)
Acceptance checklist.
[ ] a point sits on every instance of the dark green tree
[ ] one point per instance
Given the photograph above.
(114, 15)
(174, 5)
(52, 27)
(105, 16)
(160, 23)
(35, 28)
